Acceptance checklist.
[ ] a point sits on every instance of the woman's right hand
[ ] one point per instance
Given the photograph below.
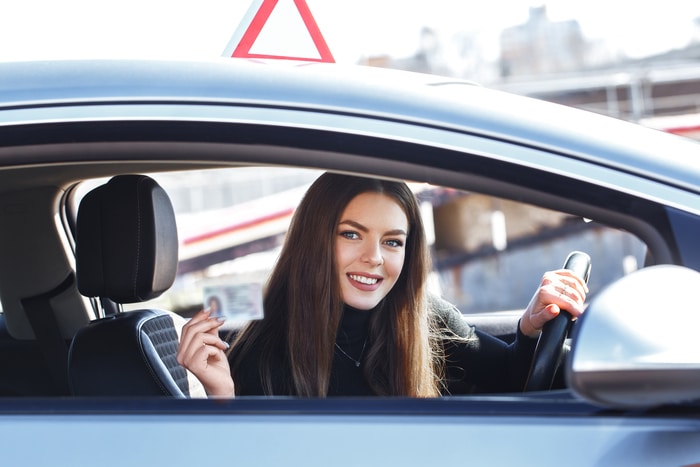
(202, 352)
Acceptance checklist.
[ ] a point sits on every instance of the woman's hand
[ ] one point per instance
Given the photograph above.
(558, 290)
(203, 353)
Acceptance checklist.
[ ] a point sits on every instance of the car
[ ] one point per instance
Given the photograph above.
(510, 184)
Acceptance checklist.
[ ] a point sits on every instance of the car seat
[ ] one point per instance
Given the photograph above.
(127, 252)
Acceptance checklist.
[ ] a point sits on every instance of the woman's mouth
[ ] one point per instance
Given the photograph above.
(363, 282)
(364, 279)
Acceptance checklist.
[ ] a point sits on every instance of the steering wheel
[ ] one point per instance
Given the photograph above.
(550, 345)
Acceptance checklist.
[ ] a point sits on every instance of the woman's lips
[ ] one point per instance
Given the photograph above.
(365, 282)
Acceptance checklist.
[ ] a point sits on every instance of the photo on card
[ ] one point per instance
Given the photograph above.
(234, 302)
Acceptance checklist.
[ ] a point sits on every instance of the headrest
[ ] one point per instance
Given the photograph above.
(126, 240)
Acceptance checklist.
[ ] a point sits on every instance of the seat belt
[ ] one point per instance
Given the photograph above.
(48, 334)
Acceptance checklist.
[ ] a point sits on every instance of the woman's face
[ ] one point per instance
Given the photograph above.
(370, 246)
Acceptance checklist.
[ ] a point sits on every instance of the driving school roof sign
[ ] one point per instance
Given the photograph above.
(279, 29)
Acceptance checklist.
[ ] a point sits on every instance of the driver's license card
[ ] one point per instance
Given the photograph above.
(234, 302)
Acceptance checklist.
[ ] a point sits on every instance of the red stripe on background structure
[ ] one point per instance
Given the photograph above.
(240, 226)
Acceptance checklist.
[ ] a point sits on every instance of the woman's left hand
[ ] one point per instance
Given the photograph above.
(559, 290)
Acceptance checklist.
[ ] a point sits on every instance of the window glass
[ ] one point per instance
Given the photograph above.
(231, 224)
(488, 253)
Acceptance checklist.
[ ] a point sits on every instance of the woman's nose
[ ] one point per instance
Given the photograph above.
(372, 254)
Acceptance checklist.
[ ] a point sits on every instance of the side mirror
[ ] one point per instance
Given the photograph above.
(637, 344)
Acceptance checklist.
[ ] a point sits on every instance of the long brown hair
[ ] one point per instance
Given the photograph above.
(303, 304)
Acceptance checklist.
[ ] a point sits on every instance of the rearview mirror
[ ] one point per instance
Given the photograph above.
(637, 343)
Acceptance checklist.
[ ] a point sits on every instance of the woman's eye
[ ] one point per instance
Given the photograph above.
(350, 235)
(394, 243)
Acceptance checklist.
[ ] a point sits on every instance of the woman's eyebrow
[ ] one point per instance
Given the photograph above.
(354, 224)
(362, 228)
(396, 232)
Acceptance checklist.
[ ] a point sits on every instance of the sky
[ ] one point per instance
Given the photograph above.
(52, 29)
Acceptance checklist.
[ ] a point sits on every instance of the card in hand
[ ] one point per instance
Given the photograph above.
(234, 302)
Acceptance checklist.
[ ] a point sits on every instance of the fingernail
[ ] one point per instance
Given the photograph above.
(226, 344)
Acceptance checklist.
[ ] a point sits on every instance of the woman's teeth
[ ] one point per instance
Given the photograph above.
(363, 279)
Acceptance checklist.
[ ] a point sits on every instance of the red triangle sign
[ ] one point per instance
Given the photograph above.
(265, 33)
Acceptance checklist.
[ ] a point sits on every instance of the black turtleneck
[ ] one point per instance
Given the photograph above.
(347, 377)
(476, 362)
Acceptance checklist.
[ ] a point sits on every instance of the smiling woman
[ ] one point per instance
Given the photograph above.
(352, 277)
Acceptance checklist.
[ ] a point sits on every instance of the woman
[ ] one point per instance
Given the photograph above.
(347, 311)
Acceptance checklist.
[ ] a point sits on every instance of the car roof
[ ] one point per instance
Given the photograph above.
(387, 94)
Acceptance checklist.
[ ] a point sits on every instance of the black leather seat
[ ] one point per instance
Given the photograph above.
(127, 252)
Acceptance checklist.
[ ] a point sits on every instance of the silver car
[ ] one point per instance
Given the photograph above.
(511, 185)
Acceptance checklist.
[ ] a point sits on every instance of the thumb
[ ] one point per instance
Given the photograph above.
(552, 311)
(546, 314)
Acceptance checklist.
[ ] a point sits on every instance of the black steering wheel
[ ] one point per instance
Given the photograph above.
(550, 345)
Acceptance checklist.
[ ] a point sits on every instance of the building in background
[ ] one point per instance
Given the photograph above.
(541, 46)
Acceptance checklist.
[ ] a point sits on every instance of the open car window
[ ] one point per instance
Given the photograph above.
(488, 253)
